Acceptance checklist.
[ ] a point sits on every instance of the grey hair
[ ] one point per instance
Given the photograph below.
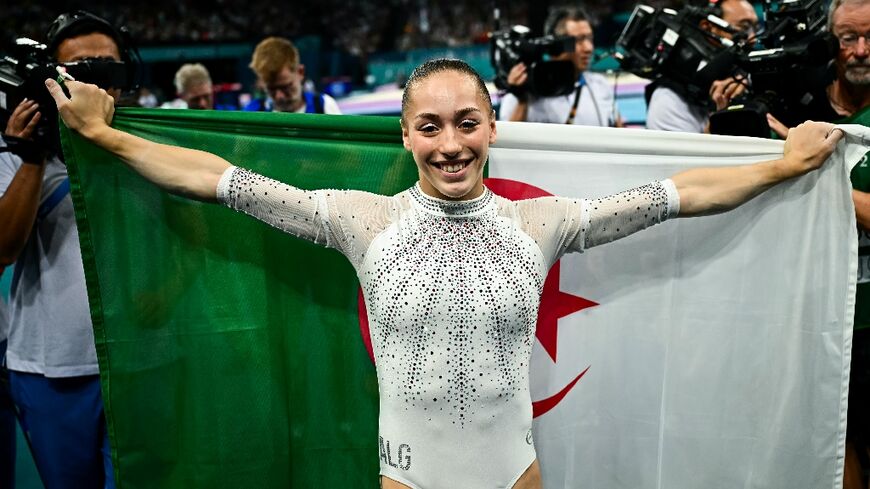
(835, 4)
(191, 74)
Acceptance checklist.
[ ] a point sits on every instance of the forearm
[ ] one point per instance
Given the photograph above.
(182, 171)
(18, 207)
(862, 208)
(705, 191)
(520, 112)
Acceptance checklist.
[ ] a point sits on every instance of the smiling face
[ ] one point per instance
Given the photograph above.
(448, 127)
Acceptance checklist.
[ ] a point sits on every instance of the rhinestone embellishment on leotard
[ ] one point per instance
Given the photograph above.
(454, 305)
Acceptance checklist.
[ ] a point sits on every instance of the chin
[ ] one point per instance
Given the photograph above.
(455, 193)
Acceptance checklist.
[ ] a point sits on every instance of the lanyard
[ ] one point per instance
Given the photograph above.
(581, 82)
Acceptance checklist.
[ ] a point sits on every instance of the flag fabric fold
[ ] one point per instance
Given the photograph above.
(708, 351)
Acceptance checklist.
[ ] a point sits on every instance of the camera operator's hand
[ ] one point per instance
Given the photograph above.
(88, 108)
(518, 76)
(777, 127)
(723, 91)
(808, 146)
(23, 120)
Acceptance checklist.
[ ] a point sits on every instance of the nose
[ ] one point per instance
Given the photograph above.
(861, 48)
(448, 144)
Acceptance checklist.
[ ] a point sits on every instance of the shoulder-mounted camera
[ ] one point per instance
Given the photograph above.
(28, 63)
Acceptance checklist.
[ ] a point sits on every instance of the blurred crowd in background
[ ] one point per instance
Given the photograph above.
(358, 27)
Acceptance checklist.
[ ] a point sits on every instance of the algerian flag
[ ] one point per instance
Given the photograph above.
(708, 352)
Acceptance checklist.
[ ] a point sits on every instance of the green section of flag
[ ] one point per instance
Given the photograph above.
(230, 352)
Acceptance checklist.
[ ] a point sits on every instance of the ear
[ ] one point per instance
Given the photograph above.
(492, 128)
(406, 137)
(301, 71)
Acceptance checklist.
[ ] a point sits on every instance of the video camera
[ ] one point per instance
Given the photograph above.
(28, 64)
(22, 75)
(782, 67)
(546, 77)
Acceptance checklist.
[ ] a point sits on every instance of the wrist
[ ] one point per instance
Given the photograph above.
(27, 149)
(789, 166)
(96, 133)
(520, 92)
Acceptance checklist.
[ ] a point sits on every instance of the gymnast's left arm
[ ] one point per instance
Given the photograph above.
(705, 191)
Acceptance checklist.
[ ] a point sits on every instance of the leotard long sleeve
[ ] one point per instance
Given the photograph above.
(452, 291)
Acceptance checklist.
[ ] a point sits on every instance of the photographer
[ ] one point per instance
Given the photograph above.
(591, 103)
(670, 109)
(53, 372)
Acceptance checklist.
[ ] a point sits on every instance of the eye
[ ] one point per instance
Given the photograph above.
(427, 127)
(469, 124)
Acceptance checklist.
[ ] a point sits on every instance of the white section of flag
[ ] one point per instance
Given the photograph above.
(719, 352)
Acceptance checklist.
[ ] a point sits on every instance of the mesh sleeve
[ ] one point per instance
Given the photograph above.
(561, 225)
(346, 220)
(625, 213)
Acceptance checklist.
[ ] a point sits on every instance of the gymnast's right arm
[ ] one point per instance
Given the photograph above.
(188, 172)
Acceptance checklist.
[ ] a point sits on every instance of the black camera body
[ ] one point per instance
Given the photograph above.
(671, 45)
(28, 64)
(783, 67)
(788, 71)
(22, 75)
(546, 77)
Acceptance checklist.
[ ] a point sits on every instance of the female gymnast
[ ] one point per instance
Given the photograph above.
(451, 273)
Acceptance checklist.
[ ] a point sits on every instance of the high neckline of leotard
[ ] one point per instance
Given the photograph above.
(457, 208)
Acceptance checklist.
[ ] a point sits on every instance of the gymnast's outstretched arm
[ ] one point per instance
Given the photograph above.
(706, 191)
(188, 172)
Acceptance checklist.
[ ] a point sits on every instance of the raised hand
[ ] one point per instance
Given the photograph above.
(87, 109)
(809, 145)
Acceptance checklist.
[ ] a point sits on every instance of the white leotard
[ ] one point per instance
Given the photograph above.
(452, 291)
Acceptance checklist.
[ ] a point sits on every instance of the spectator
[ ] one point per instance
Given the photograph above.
(671, 109)
(276, 63)
(590, 103)
(194, 88)
(53, 372)
(146, 98)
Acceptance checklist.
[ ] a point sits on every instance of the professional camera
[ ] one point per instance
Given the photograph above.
(546, 77)
(22, 75)
(782, 67)
(789, 71)
(671, 46)
(28, 63)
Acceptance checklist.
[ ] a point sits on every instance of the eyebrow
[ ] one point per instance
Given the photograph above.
(459, 113)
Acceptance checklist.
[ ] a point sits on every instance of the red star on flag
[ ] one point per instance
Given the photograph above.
(556, 304)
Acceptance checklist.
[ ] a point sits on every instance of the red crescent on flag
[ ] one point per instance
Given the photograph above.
(554, 303)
